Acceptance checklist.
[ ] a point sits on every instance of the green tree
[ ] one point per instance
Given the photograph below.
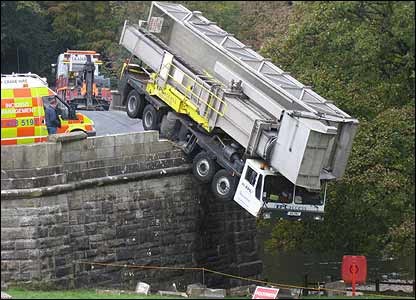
(25, 37)
(361, 55)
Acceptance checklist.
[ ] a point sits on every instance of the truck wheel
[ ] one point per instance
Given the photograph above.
(134, 105)
(151, 118)
(224, 185)
(203, 167)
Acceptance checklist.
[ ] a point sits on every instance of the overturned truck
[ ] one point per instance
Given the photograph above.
(255, 133)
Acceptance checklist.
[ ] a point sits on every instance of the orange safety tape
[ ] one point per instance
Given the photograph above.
(237, 277)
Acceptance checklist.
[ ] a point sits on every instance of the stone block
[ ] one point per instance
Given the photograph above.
(91, 229)
(107, 207)
(64, 250)
(107, 152)
(26, 244)
(28, 266)
(214, 293)
(150, 136)
(50, 243)
(81, 243)
(8, 245)
(7, 184)
(72, 146)
(46, 220)
(16, 155)
(104, 141)
(9, 265)
(71, 156)
(142, 288)
(129, 150)
(195, 289)
(73, 166)
(34, 156)
(76, 202)
(15, 255)
(28, 221)
(58, 230)
(173, 294)
(88, 155)
(54, 151)
(7, 221)
(60, 261)
(17, 233)
(125, 139)
(161, 146)
(336, 288)
(7, 157)
(7, 255)
(349, 294)
(63, 271)
(67, 137)
(5, 295)
(90, 144)
(41, 232)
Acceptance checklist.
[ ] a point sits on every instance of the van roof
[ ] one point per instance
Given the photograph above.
(22, 80)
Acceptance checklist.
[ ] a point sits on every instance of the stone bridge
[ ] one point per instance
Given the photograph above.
(122, 199)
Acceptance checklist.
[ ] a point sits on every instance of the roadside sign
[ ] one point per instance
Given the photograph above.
(354, 270)
(354, 266)
(262, 292)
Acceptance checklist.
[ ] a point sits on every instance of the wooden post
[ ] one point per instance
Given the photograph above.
(377, 285)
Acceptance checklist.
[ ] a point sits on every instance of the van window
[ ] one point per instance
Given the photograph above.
(61, 108)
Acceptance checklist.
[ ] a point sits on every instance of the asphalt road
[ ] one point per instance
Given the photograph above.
(113, 121)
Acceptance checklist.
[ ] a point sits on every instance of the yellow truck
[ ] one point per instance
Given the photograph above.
(23, 101)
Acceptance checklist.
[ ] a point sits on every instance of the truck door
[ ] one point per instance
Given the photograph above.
(249, 190)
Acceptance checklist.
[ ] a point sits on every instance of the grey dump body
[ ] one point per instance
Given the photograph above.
(300, 134)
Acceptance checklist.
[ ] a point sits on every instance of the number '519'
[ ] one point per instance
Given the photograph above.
(27, 122)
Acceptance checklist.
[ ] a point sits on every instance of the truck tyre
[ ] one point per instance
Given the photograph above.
(151, 118)
(224, 185)
(203, 167)
(134, 104)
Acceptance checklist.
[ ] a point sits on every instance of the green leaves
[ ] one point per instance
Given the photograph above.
(361, 55)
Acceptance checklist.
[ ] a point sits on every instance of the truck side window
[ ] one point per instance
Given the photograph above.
(258, 187)
(251, 176)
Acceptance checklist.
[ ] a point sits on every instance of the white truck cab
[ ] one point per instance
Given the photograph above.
(264, 192)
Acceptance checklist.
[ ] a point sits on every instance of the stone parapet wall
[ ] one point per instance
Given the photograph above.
(139, 206)
(52, 163)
